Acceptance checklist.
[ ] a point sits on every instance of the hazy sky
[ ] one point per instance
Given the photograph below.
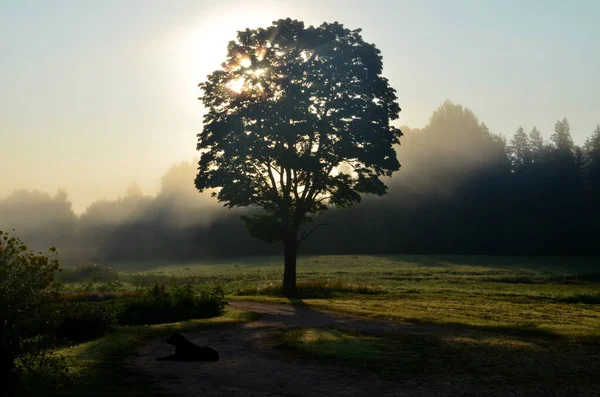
(96, 94)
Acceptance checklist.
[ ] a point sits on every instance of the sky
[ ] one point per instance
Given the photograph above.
(97, 94)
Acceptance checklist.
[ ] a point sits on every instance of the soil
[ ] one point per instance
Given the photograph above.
(250, 366)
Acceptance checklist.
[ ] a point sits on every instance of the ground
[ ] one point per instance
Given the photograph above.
(249, 365)
(252, 365)
(429, 325)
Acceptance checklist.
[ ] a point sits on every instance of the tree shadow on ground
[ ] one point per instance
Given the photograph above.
(303, 313)
(520, 360)
(488, 363)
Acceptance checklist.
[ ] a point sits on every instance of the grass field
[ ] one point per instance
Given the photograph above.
(545, 296)
(491, 320)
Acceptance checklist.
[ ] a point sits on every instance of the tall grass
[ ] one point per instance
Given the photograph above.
(316, 288)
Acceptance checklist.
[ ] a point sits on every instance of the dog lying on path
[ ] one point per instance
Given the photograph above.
(188, 351)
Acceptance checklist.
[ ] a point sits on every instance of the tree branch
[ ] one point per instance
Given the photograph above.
(265, 180)
(305, 234)
(271, 176)
(295, 184)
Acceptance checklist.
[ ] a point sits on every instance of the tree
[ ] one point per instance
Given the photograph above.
(520, 150)
(42, 219)
(453, 145)
(592, 151)
(134, 191)
(536, 145)
(298, 120)
(562, 136)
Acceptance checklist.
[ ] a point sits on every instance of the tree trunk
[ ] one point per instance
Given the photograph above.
(289, 269)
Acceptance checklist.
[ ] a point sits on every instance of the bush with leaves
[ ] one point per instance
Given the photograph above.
(161, 305)
(87, 320)
(27, 295)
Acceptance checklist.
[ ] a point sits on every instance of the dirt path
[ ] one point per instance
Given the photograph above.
(282, 316)
(250, 367)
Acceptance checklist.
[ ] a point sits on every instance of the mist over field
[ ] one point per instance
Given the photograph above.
(461, 189)
(93, 109)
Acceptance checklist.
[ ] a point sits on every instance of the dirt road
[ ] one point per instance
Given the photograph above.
(250, 367)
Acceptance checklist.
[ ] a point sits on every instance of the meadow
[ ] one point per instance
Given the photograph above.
(484, 321)
(543, 295)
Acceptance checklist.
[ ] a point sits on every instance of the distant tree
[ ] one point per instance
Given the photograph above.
(113, 212)
(179, 198)
(580, 159)
(592, 144)
(298, 120)
(592, 151)
(520, 152)
(177, 180)
(562, 136)
(42, 219)
(134, 190)
(453, 145)
(536, 145)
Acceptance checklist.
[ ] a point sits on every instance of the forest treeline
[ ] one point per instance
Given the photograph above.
(461, 189)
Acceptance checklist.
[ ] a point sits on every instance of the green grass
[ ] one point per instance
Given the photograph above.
(551, 295)
(491, 320)
(480, 359)
(101, 367)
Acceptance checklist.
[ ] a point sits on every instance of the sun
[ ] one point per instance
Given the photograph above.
(192, 51)
(204, 42)
(248, 78)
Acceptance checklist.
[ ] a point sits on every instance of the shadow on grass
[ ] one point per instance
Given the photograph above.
(528, 333)
(506, 359)
(485, 361)
(590, 299)
(380, 327)
(524, 331)
(102, 367)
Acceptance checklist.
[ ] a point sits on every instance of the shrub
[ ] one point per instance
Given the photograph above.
(40, 372)
(27, 291)
(87, 320)
(160, 305)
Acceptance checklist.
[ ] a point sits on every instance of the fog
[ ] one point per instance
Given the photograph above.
(461, 189)
(43, 220)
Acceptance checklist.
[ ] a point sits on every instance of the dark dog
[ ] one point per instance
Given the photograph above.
(188, 351)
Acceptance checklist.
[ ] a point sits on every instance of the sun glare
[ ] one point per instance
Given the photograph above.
(260, 55)
(243, 83)
(245, 62)
(201, 46)
(236, 85)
